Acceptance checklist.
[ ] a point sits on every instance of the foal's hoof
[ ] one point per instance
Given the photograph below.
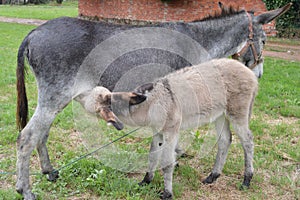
(146, 180)
(27, 195)
(166, 195)
(211, 178)
(244, 187)
(246, 182)
(53, 176)
(143, 183)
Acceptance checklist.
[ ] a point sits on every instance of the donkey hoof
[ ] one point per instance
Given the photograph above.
(52, 176)
(185, 155)
(211, 178)
(166, 195)
(27, 195)
(19, 190)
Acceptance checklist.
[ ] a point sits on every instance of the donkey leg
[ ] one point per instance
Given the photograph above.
(48, 114)
(154, 156)
(168, 162)
(45, 163)
(224, 141)
(25, 145)
(28, 139)
(246, 138)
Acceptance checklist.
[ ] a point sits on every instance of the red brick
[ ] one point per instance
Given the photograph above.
(156, 10)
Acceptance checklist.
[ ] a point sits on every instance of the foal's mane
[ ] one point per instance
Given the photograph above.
(225, 12)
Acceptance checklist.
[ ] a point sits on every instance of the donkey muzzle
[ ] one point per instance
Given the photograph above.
(117, 124)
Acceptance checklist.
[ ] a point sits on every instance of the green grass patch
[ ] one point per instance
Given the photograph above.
(275, 125)
(279, 91)
(11, 37)
(45, 12)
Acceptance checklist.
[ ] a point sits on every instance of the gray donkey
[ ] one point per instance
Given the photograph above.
(220, 91)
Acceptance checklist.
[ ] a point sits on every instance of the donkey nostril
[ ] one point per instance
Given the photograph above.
(259, 75)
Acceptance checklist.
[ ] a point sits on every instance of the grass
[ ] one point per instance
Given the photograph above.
(45, 12)
(283, 98)
(275, 125)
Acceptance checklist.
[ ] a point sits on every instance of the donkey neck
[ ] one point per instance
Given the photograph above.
(222, 37)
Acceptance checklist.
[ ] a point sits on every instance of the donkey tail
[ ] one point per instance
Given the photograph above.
(22, 103)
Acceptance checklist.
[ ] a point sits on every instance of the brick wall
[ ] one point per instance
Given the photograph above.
(157, 10)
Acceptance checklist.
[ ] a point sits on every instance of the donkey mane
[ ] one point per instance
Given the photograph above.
(225, 12)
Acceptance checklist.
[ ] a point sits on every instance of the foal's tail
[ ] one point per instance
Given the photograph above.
(22, 103)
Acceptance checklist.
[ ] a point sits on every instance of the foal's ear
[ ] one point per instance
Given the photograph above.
(105, 99)
(136, 98)
(144, 89)
(266, 17)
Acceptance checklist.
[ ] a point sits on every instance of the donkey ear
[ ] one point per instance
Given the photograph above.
(266, 17)
(136, 98)
(220, 5)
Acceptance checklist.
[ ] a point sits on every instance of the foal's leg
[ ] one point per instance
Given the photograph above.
(36, 129)
(168, 162)
(154, 156)
(246, 138)
(224, 141)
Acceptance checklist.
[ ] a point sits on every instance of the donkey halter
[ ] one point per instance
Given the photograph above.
(257, 58)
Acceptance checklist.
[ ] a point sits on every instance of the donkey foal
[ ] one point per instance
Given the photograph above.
(220, 91)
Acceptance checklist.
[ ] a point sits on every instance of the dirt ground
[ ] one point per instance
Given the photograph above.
(283, 51)
(36, 22)
(272, 49)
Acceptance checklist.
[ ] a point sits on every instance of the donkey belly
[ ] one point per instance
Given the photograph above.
(199, 119)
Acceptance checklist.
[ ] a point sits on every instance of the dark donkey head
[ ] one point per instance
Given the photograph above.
(251, 53)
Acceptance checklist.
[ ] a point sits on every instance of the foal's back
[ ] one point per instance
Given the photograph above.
(206, 91)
